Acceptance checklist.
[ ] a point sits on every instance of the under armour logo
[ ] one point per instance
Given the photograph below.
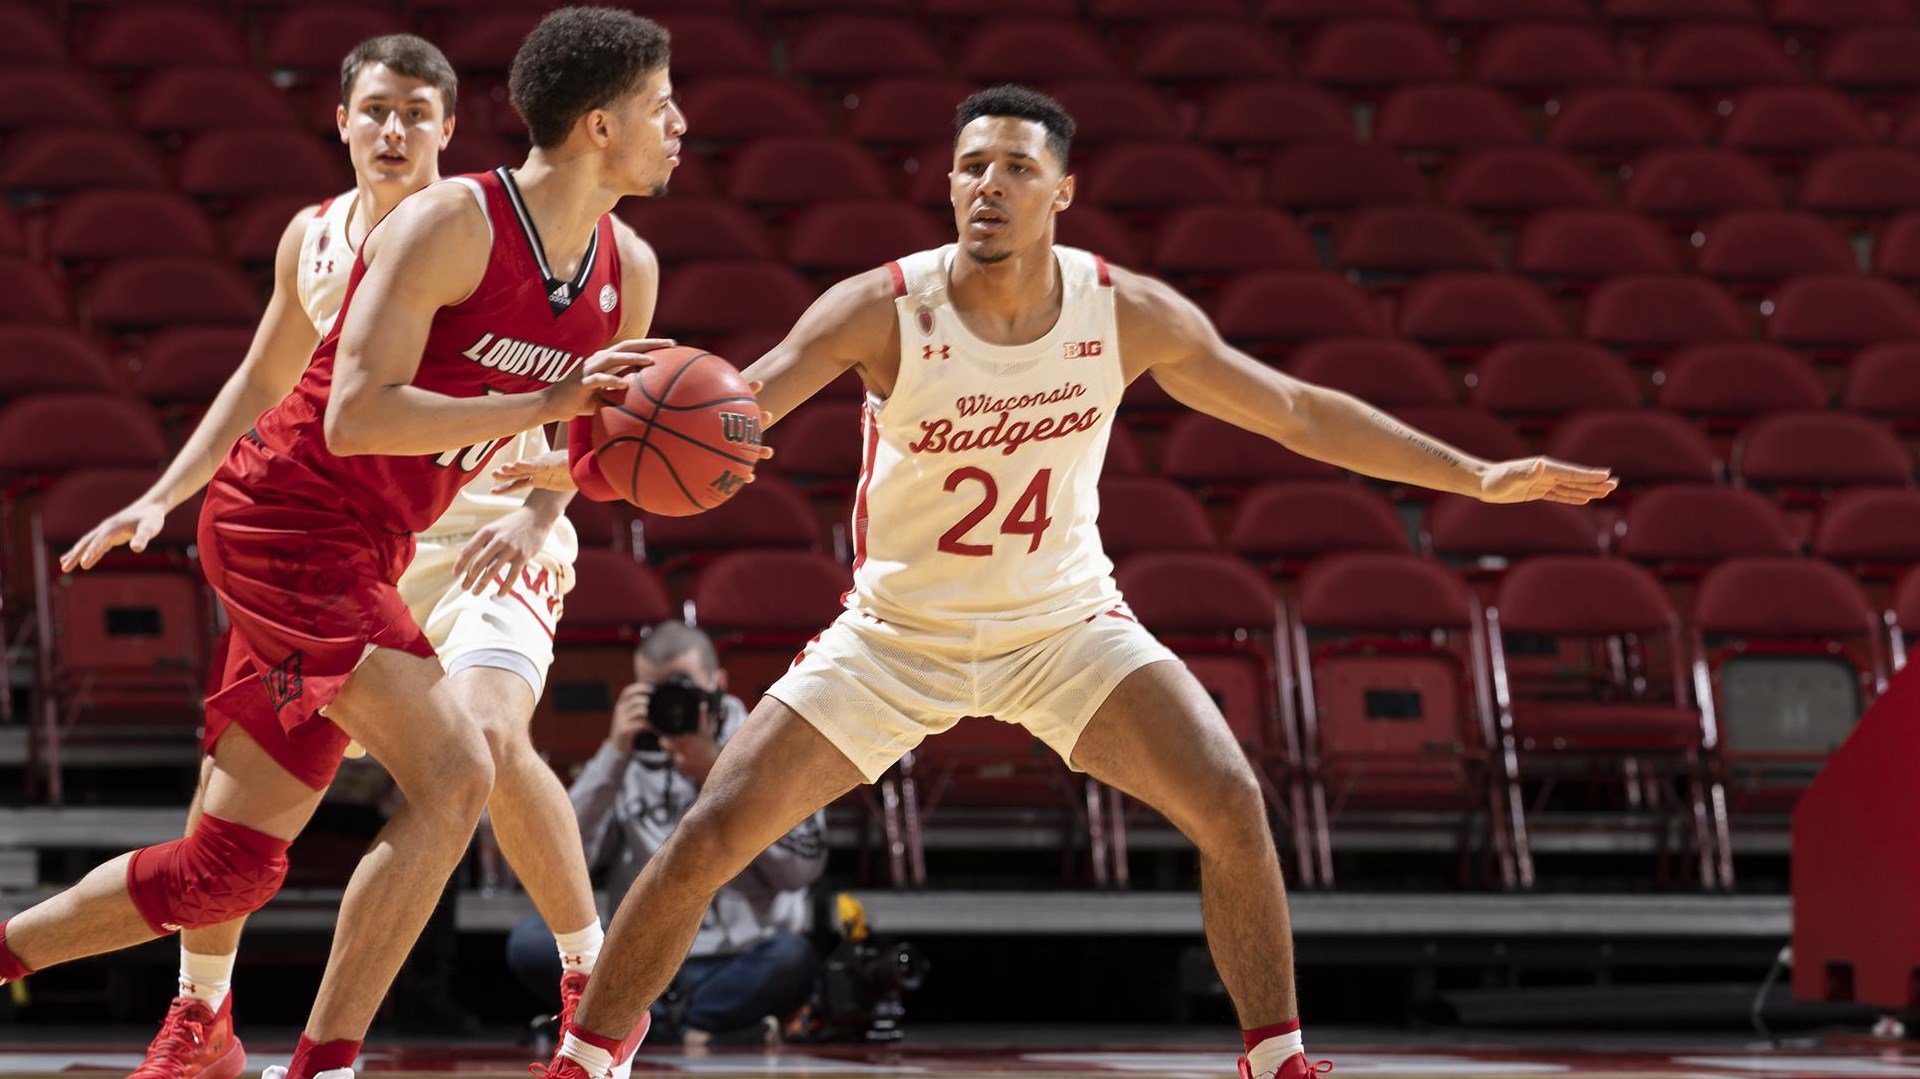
(927, 351)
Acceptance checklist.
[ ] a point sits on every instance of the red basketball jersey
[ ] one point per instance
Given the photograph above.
(519, 332)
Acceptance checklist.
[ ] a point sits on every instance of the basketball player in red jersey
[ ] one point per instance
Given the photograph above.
(979, 583)
(397, 97)
(480, 308)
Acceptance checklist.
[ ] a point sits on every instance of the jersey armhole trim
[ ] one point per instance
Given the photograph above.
(321, 210)
(480, 199)
(899, 279)
(1100, 270)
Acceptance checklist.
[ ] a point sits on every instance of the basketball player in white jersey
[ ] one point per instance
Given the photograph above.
(485, 584)
(993, 369)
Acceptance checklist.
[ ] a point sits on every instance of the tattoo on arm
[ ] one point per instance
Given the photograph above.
(1419, 440)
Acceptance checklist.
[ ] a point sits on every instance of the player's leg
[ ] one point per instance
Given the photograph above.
(1159, 738)
(531, 814)
(229, 865)
(397, 705)
(196, 1039)
(207, 954)
(776, 772)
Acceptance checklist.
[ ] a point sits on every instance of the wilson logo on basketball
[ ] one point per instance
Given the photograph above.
(1077, 350)
(740, 428)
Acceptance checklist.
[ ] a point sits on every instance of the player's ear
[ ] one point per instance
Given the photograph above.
(598, 128)
(1063, 194)
(340, 120)
(446, 131)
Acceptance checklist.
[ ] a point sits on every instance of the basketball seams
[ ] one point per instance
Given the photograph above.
(652, 424)
(684, 437)
(667, 390)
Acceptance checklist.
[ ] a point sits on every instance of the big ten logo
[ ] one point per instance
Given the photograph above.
(1079, 350)
(740, 429)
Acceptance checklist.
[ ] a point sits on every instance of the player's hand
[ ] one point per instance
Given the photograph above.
(762, 451)
(600, 375)
(135, 526)
(629, 716)
(1543, 478)
(498, 552)
(547, 471)
(693, 754)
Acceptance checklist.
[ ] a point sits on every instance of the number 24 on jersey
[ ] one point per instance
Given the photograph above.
(1028, 517)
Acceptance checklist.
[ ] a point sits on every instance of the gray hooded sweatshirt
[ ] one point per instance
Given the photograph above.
(627, 806)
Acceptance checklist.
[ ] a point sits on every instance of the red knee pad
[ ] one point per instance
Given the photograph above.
(218, 873)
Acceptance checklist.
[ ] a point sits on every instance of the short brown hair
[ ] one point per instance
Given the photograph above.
(403, 54)
(577, 60)
(670, 640)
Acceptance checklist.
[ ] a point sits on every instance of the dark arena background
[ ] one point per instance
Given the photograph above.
(1556, 790)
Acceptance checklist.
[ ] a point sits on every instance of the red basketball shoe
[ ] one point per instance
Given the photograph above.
(194, 1042)
(1295, 1067)
(573, 985)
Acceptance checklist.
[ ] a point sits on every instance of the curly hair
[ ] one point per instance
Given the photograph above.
(579, 59)
(1020, 103)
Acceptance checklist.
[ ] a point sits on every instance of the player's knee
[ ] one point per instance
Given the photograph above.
(1234, 815)
(218, 872)
(464, 780)
(709, 849)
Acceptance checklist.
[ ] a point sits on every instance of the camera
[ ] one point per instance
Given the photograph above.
(862, 981)
(674, 707)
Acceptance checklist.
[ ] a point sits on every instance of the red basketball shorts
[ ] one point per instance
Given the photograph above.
(310, 589)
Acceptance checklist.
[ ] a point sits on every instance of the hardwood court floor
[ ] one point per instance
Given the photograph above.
(1712, 1060)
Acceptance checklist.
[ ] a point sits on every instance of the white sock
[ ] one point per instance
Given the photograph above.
(580, 948)
(206, 978)
(596, 1060)
(1265, 1059)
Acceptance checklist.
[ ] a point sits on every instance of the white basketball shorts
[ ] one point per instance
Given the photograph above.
(512, 632)
(877, 692)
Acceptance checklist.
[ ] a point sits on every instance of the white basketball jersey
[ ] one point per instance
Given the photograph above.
(977, 506)
(326, 262)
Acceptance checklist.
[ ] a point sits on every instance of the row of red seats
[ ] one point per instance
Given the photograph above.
(1677, 528)
(1376, 725)
(51, 432)
(914, 110)
(1743, 248)
(1337, 743)
(1368, 50)
(1647, 315)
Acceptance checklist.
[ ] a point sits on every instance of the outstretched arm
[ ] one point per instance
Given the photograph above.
(1166, 335)
(429, 253)
(282, 345)
(851, 324)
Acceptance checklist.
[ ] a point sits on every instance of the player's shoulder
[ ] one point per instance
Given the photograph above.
(636, 254)
(441, 220)
(866, 296)
(1142, 295)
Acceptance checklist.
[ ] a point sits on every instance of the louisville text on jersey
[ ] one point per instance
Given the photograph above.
(510, 356)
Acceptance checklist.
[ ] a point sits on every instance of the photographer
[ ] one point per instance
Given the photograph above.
(750, 960)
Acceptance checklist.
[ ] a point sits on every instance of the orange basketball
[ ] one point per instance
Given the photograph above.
(679, 442)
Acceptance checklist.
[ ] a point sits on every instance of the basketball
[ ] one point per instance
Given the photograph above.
(677, 444)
